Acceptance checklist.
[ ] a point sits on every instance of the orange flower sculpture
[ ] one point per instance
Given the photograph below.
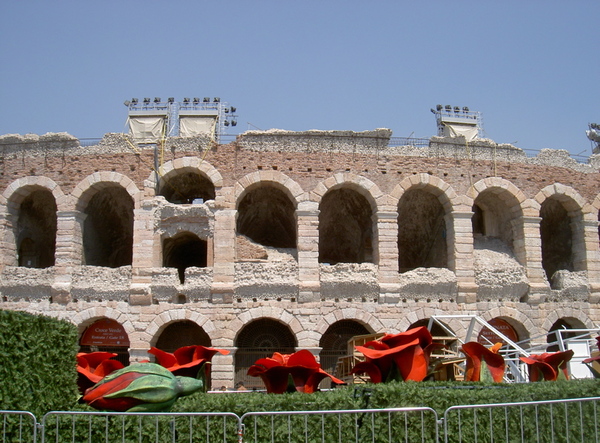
(548, 366)
(299, 371)
(483, 364)
(188, 360)
(93, 367)
(401, 357)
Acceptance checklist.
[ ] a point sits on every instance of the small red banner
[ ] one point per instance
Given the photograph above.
(105, 332)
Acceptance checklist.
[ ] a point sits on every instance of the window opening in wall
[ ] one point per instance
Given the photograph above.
(108, 229)
(557, 238)
(421, 232)
(187, 188)
(36, 230)
(334, 344)
(106, 335)
(345, 228)
(266, 215)
(183, 251)
(260, 339)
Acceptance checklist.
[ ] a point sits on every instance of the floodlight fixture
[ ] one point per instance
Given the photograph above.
(196, 100)
(171, 100)
(156, 99)
(217, 100)
(233, 109)
(448, 108)
(206, 100)
(127, 103)
(456, 109)
(186, 100)
(226, 122)
(439, 107)
(134, 101)
(233, 122)
(465, 109)
(226, 110)
(146, 100)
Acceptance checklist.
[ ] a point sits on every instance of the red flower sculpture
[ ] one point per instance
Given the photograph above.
(188, 360)
(548, 366)
(404, 356)
(93, 367)
(301, 367)
(483, 364)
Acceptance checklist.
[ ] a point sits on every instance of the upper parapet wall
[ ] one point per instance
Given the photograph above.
(366, 142)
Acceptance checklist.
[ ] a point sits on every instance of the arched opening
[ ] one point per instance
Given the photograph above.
(260, 339)
(186, 188)
(557, 238)
(421, 231)
(267, 216)
(487, 337)
(36, 230)
(108, 229)
(562, 324)
(345, 228)
(184, 251)
(106, 335)
(334, 342)
(182, 333)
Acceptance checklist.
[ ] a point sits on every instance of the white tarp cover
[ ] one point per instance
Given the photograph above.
(147, 129)
(456, 130)
(196, 125)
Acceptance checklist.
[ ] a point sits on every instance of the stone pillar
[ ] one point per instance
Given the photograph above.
(7, 239)
(224, 256)
(140, 291)
(386, 255)
(307, 220)
(538, 283)
(591, 258)
(222, 369)
(461, 240)
(68, 252)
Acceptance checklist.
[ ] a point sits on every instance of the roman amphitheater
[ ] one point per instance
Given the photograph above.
(282, 240)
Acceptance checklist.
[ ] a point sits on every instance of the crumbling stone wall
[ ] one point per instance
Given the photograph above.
(257, 207)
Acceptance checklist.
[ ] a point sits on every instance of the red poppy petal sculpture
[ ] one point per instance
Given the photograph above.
(483, 364)
(548, 366)
(93, 367)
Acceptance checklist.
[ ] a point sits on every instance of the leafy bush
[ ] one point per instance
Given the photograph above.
(38, 372)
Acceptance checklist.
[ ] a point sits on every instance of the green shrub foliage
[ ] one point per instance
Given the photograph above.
(37, 363)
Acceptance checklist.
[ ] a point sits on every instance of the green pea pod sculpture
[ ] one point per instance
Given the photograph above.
(141, 387)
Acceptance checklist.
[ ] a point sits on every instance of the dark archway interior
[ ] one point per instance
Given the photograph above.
(186, 187)
(562, 324)
(183, 251)
(180, 334)
(260, 339)
(421, 232)
(557, 238)
(36, 230)
(108, 229)
(345, 228)
(267, 216)
(334, 342)
(477, 223)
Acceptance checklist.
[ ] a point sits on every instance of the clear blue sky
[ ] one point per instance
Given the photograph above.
(531, 67)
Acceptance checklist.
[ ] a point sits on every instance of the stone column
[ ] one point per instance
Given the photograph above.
(307, 220)
(224, 256)
(538, 283)
(222, 369)
(68, 252)
(460, 238)
(140, 291)
(591, 257)
(386, 254)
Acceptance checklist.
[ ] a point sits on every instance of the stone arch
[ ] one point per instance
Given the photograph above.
(362, 185)
(596, 215)
(522, 324)
(366, 319)
(188, 340)
(275, 178)
(86, 317)
(562, 229)
(279, 314)
(186, 179)
(160, 322)
(42, 196)
(85, 189)
(105, 204)
(566, 312)
(184, 250)
(423, 204)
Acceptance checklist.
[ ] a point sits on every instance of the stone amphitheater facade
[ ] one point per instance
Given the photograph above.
(295, 240)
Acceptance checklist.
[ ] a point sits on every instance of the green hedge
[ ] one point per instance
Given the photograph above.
(38, 365)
